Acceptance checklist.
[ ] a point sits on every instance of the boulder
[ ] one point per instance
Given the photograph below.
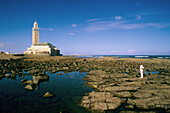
(29, 87)
(65, 68)
(47, 95)
(59, 73)
(36, 80)
(43, 78)
(7, 75)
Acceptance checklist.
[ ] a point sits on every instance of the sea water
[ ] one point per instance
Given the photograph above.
(124, 56)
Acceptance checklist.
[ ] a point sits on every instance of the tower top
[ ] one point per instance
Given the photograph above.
(35, 24)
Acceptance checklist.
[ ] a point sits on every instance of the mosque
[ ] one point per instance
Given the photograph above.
(43, 48)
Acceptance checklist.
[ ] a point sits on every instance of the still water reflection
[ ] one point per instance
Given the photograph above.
(67, 89)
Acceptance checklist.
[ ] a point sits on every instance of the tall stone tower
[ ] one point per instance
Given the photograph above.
(35, 33)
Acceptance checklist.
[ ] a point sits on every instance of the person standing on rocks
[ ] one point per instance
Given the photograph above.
(141, 71)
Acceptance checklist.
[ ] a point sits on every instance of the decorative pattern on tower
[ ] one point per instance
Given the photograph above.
(35, 33)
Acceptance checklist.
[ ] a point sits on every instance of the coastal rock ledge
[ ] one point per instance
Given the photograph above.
(112, 91)
(101, 101)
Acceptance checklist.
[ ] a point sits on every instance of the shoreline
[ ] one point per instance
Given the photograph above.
(112, 88)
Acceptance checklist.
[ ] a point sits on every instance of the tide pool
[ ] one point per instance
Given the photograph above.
(67, 89)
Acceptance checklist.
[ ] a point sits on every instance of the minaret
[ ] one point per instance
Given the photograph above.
(35, 33)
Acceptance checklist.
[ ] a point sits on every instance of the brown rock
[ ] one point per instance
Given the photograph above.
(59, 73)
(96, 72)
(28, 82)
(7, 75)
(47, 95)
(123, 94)
(29, 87)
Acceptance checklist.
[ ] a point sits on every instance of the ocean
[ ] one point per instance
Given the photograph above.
(123, 56)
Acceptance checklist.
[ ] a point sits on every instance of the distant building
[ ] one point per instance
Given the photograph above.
(43, 48)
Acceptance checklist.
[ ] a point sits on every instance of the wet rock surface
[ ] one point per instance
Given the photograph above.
(29, 87)
(47, 95)
(101, 101)
(115, 80)
(149, 93)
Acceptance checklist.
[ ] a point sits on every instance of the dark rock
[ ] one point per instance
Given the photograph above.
(23, 80)
(1, 76)
(13, 76)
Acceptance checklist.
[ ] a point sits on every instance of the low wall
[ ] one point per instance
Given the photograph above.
(36, 54)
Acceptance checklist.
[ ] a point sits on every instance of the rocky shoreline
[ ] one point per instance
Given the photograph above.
(114, 90)
(116, 81)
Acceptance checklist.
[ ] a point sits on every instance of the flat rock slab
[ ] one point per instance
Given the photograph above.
(151, 92)
(100, 101)
(121, 88)
(122, 94)
(96, 72)
(150, 103)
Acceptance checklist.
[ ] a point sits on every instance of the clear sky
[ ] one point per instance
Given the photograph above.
(88, 27)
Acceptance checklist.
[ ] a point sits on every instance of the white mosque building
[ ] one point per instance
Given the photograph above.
(43, 48)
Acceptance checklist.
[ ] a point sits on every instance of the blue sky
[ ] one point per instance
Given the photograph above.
(88, 27)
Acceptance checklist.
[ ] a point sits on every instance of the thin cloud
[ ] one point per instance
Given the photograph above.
(131, 50)
(74, 25)
(114, 51)
(147, 13)
(118, 17)
(9, 47)
(106, 25)
(71, 34)
(6, 44)
(46, 29)
(93, 20)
